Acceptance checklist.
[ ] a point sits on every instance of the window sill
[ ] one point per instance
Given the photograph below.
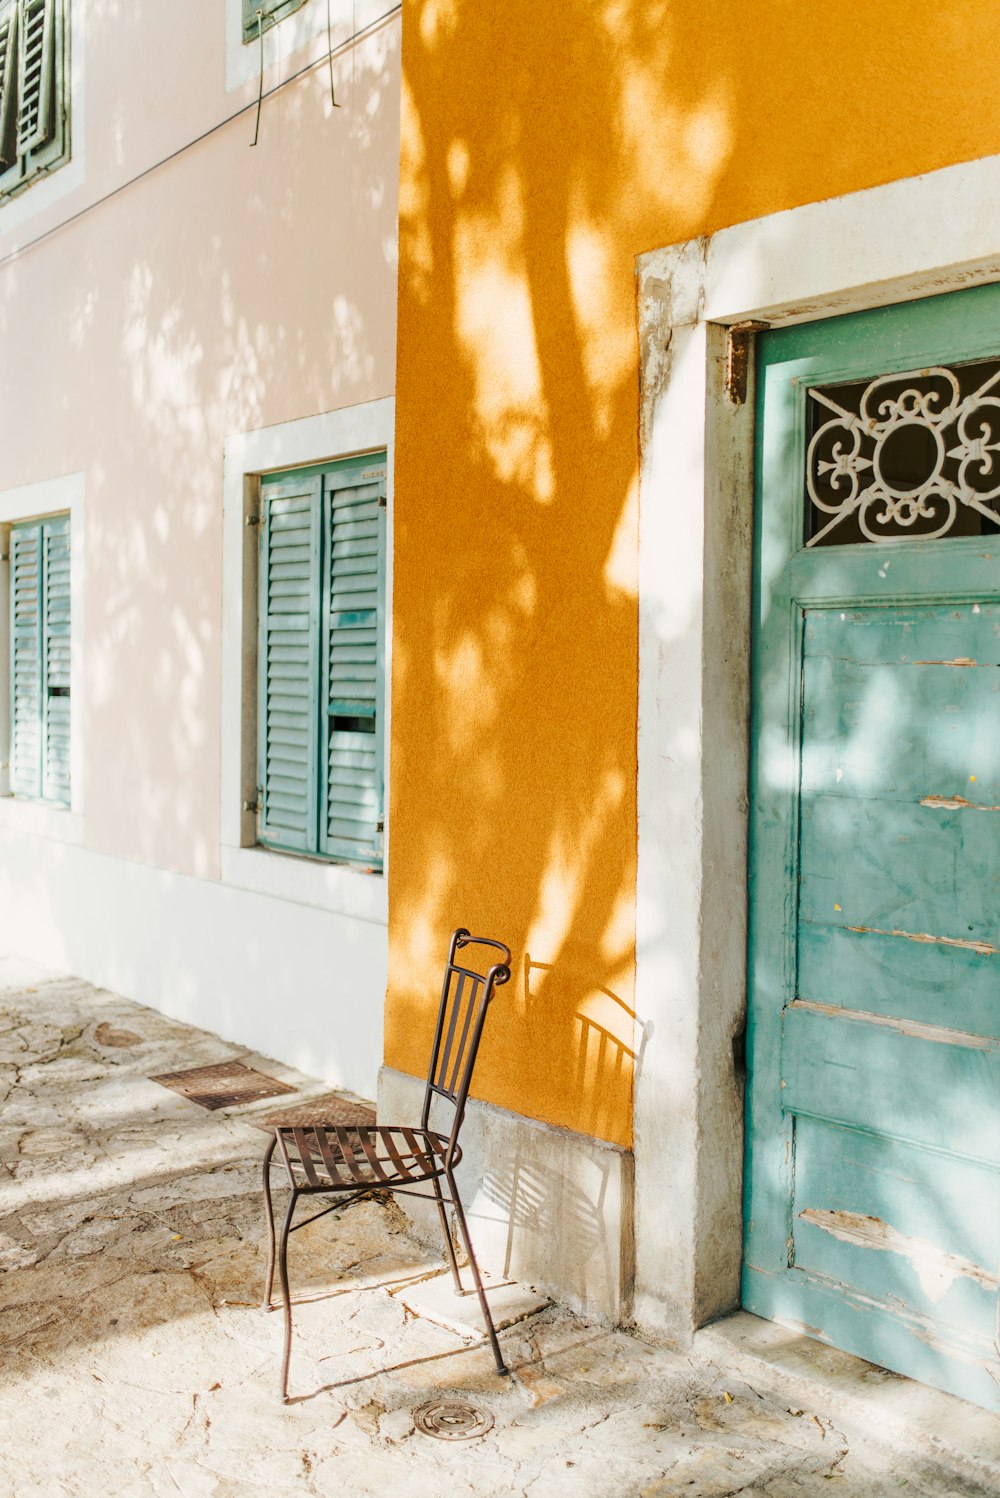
(334, 887)
(40, 819)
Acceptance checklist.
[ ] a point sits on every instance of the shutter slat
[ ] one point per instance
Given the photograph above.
(341, 776)
(359, 528)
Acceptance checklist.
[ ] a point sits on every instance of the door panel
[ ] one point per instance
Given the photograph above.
(873, 1139)
(861, 1215)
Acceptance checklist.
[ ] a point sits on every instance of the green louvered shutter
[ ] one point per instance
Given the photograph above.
(55, 661)
(289, 663)
(8, 82)
(353, 661)
(271, 12)
(26, 660)
(36, 115)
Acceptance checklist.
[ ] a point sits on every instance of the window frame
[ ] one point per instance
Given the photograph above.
(352, 431)
(34, 164)
(368, 470)
(286, 40)
(38, 502)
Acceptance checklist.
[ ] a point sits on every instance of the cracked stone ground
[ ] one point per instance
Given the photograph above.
(135, 1360)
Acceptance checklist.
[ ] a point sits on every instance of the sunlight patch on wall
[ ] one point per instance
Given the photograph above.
(560, 888)
(695, 139)
(416, 931)
(438, 22)
(496, 329)
(618, 937)
(164, 359)
(604, 329)
(458, 162)
(621, 567)
(415, 242)
(353, 362)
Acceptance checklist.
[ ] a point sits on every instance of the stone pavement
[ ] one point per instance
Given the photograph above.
(135, 1360)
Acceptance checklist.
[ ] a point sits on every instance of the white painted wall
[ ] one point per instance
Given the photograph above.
(287, 979)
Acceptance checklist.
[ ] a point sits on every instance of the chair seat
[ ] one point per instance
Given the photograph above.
(341, 1157)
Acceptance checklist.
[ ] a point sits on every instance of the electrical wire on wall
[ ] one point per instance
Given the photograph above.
(260, 83)
(329, 44)
(309, 67)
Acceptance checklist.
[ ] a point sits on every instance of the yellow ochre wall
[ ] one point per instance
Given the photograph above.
(545, 144)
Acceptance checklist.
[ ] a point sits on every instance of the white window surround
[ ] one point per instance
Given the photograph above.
(31, 502)
(295, 444)
(49, 188)
(915, 237)
(291, 35)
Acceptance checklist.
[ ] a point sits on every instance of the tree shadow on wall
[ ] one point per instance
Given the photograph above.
(513, 805)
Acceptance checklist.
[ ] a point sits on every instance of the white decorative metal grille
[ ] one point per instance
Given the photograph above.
(905, 456)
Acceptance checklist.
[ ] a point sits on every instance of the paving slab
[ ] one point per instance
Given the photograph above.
(135, 1360)
(435, 1299)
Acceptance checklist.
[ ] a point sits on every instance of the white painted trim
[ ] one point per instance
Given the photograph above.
(290, 36)
(64, 495)
(49, 189)
(910, 238)
(314, 439)
(263, 973)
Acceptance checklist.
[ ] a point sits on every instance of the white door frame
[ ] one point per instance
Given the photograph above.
(915, 237)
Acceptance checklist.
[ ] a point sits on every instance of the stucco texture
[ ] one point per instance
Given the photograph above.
(544, 147)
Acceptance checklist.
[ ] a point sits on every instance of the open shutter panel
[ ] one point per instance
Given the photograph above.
(8, 83)
(26, 672)
(36, 105)
(353, 663)
(289, 665)
(55, 661)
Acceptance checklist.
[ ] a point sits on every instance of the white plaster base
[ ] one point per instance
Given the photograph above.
(304, 985)
(546, 1206)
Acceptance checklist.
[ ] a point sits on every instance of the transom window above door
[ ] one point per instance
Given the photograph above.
(910, 455)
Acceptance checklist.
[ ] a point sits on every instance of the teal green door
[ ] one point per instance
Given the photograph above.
(873, 1119)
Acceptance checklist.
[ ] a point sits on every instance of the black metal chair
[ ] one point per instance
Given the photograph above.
(356, 1162)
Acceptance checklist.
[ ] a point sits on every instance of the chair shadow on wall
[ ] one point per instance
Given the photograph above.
(540, 1203)
(604, 1063)
(545, 1204)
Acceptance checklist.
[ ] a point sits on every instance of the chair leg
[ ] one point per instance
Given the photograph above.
(285, 1297)
(463, 1226)
(449, 1245)
(269, 1221)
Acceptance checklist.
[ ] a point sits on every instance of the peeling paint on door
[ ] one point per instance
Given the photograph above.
(935, 1269)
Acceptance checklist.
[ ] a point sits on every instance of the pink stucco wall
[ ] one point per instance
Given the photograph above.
(229, 289)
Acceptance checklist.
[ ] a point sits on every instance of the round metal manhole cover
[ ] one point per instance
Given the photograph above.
(450, 1420)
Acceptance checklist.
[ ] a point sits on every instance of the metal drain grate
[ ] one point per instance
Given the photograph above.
(330, 1109)
(224, 1085)
(450, 1420)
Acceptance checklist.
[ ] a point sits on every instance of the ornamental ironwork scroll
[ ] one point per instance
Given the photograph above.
(905, 456)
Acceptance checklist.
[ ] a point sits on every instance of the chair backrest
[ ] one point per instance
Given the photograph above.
(465, 998)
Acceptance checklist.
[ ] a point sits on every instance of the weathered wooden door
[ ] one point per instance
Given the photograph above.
(873, 1208)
